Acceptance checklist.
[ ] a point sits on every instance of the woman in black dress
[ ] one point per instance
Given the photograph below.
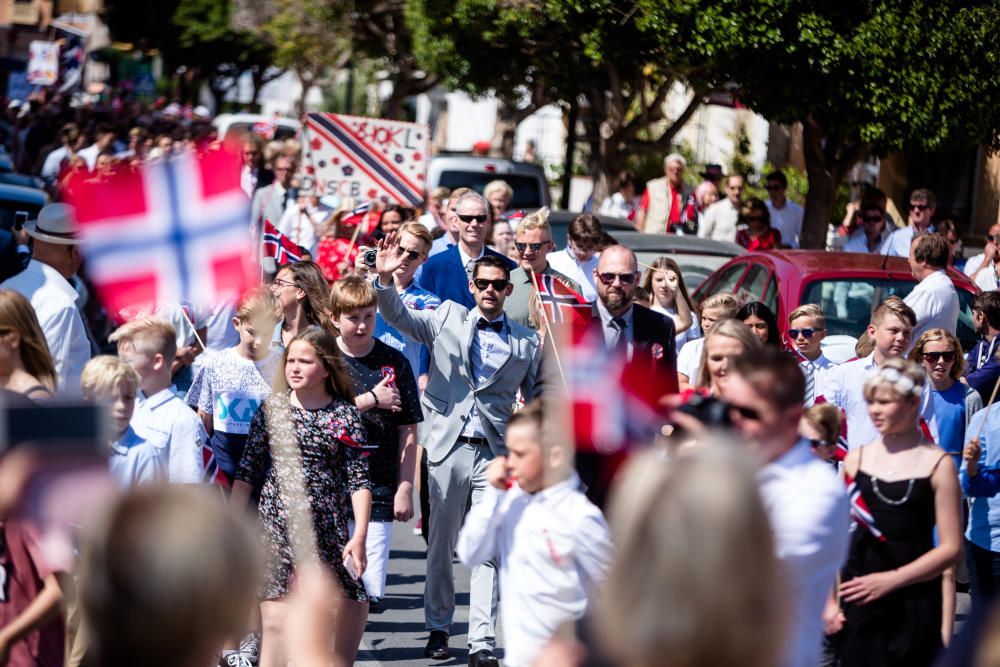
(311, 418)
(891, 590)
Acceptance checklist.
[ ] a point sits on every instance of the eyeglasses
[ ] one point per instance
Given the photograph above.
(935, 357)
(500, 284)
(277, 169)
(806, 333)
(745, 412)
(919, 207)
(279, 283)
(473, 218)
(625, 278)
(872, 218)
(412, 254)
(535, 247)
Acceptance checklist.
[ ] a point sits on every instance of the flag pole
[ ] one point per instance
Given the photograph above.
(548, 326)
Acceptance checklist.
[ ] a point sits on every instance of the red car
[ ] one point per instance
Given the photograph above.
(845, 285)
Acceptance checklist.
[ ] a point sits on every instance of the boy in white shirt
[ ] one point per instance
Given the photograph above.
(806, 330)
(134, 458)
(552, 543)
(891, 330)
(149, 346)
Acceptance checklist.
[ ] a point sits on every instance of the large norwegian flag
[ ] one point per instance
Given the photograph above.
(171, 232)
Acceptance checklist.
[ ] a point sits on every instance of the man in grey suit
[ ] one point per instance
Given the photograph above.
(269, 202)
(479, 360)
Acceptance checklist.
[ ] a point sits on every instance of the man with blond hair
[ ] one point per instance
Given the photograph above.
(149, 345)
(533, 242)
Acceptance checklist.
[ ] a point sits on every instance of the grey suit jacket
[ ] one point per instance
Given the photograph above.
(451, 388)
(266, 203)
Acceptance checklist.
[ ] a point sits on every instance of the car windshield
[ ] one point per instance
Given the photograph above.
(526, 188)
(847, 304)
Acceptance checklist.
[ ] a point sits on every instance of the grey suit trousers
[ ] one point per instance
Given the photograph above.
(459, 477)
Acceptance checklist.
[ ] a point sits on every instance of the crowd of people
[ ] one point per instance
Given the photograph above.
(406, 364)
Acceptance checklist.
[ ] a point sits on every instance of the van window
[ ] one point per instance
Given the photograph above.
(527, 189)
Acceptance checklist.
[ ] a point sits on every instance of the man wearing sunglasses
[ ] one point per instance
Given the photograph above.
(447, 273)
(983, 268)
(876, 234)
(923, 206)
(533, 242)
(479, 360)
(806, 503)
(981, 363)
(806, 331)
(786, 215)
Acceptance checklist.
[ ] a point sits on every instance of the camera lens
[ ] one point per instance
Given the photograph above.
(369, 257)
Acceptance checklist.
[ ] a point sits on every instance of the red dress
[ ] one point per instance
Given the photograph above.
(769, 240)
(332, 252)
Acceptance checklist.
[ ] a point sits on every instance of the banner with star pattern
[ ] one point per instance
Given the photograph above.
(367, 158)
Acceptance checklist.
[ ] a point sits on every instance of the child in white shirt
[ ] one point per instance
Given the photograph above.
(149, 345)
(552, 543)
(135, 458)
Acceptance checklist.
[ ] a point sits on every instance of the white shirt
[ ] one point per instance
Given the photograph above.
(89, 155)
(554, 547)
(691, 333)
(987, 279)
(689, 359)
(487, 354)
(719, 222)
(53, 162)
(844, 386)
(808, 509)
(973, 263)
(137, 459)
(582, 273)
(788, 221)
(182, 434)
(858, 242)
(935, 302)
(54, 301)
(298, 226)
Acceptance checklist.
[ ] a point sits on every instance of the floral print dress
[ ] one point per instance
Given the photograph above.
(334, 467)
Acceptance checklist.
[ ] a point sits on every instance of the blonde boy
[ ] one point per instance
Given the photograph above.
(134, 458)
(806, 330)
(553, 544)
(149, 345)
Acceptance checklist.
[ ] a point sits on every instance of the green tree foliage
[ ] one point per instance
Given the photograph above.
(860, 75)
(307, 41)
(530, 54)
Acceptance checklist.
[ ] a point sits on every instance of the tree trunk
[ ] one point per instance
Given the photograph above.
(828, 159)
(505, 130)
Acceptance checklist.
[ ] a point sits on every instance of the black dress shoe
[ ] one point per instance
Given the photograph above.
(483, 658)
(437, 646)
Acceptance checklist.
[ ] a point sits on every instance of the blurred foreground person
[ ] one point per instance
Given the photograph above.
(804, 499)
(167, 574)
(25, 364)
(709, 495)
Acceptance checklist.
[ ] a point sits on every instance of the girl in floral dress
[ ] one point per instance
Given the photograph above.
(311, 416)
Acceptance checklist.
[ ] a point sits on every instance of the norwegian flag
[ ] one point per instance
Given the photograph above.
(213, 473)
(562, 305)
(278, 246)
(859, 508)
(171, 232)
(265, 128)
(357, 216)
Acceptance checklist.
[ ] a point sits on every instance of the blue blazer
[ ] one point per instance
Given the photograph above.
(444, 276)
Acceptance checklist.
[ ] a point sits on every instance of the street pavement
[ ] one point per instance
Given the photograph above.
(396, 636)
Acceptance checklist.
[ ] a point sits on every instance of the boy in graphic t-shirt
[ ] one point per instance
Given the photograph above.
(232, 384)
(388, 399)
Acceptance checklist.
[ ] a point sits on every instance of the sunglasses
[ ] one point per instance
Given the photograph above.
(807, 333)
(412, 254)
(991, 238)
(935, 357)
(919, 207)
(500, 284)
(745, 412)
(816, 443)
(535, 247)
(473, 218)
(872, 218)
(752, 218)
(773, 188)
(625, 278)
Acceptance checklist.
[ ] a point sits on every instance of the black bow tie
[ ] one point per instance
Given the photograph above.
(483, 323)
